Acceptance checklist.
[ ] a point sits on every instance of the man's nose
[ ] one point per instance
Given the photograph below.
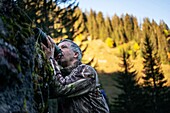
(59, 47)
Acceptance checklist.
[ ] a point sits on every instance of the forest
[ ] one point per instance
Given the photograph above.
(24, 78)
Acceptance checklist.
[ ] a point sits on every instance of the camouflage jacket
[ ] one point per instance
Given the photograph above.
(77, 90)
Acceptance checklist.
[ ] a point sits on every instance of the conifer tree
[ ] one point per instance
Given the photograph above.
(128, 101)
(101, 26)
(137, 31)
(92, 25)
(115, 25)
(81, 22)
(162, 42)
(109, 28)
(129, 26)
(153, 79)
(119, 34)
(122, 34)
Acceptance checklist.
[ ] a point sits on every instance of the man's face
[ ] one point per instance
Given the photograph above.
(68, 54)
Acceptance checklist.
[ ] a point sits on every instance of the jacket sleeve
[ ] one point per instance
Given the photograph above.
(77, 83)
(83, 71)
(76, 88)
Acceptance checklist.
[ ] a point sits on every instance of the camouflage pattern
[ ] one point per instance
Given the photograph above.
(77, 90)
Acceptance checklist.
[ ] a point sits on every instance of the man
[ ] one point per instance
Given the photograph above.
(75, 84)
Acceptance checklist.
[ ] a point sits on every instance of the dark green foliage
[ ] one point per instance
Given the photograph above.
(128, 101)
(152, 65)
(154, 89)
(42, 77)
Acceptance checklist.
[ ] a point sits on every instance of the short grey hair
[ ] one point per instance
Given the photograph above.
(74, 47)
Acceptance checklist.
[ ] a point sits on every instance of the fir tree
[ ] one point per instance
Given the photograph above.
(153, 79)
(129, 26)
(128, 100)
(109, 28)
(92, 25)
(101, 26)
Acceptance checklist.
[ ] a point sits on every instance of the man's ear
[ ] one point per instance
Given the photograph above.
(76, 55)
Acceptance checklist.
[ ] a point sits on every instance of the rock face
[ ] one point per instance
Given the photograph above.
(16, 62)
(16, 88)
(16, 67)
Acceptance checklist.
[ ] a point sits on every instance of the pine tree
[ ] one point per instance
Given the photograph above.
(101, 26)
(92, 25)
(128, 100)
(109, 28)
(162, 43)
(153, 79)
(129, 26)
(80, 24)
(137, 31)
(115, 23)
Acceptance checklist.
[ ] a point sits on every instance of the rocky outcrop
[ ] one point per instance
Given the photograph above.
(16, 63)
(16, 87)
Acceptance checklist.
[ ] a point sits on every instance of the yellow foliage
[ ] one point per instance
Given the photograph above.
(168, 55)
(136, 47)
(38, 21)
(130, 52)
(166, 32)
(109, 42)
(168, 38)
(79, 38)
(38, 13)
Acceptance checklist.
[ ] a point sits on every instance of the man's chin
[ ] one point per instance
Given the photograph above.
(59, 62)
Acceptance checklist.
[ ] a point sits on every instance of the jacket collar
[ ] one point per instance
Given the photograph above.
(67, 70)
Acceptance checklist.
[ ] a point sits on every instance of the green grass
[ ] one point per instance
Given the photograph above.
(107, 82)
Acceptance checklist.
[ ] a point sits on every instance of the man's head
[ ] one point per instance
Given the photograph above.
(71, 52)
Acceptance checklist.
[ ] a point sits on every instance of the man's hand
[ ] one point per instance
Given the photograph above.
(49, 51)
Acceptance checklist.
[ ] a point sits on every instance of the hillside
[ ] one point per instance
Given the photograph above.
(107, 59)
(106, 62)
